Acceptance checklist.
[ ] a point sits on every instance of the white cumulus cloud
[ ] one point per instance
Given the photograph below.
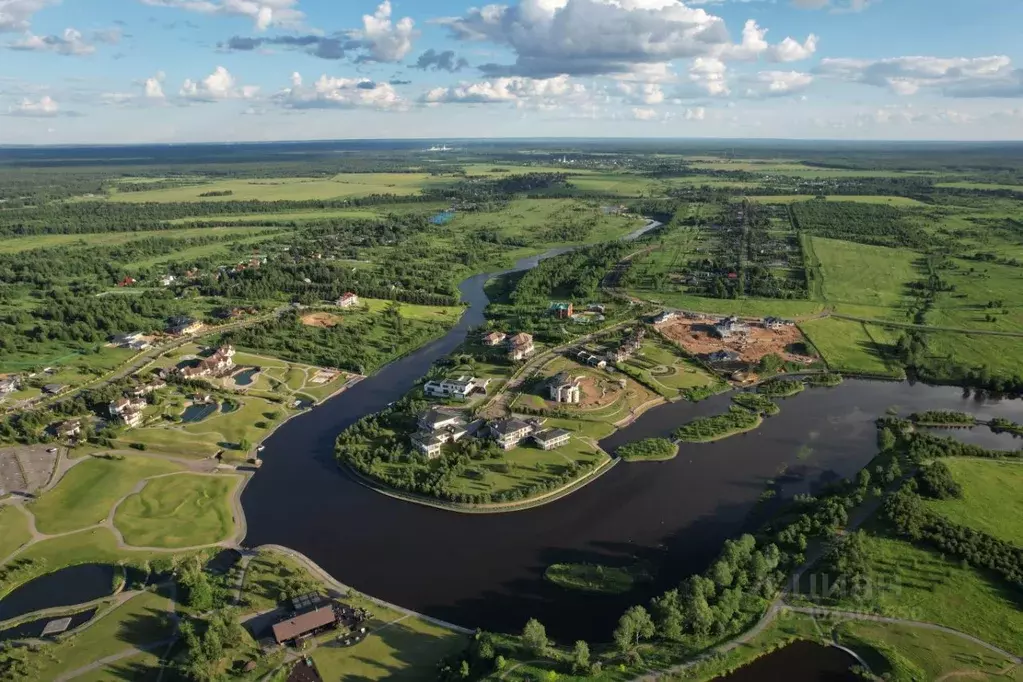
(70, 43)
(517, 90)
(777, 83)
(43, 107)
(339, 93)
(219, 85)
(383, 39)
(263, 13)
(16, 15)
(595, 37)
(153, 86)
(955, 76)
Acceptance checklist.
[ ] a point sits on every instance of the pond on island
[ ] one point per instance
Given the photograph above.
(66, 587)
(487, 570)
(197, 412)
(798, 662)
(246, 377)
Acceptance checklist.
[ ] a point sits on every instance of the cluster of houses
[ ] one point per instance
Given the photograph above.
(459, 388)
(629, 347)
(439, 427)
(520, 346)
(218, 364)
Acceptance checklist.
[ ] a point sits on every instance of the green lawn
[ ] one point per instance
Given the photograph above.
(14, 531)
(142, 620)
(146, 666)
(918, 584)
(270, 577)
(431, 313)
(291, 189)
(184, 510)
(992, 498)
(87, 493)
(865, 275)
(907, 654)
(848, 346)
(398, 647)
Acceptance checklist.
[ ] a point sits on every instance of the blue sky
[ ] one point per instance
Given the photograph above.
(129, 71)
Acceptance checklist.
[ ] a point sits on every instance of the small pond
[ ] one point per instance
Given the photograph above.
(443, 218)
(34, 628)
(196, 413)
(227, 407)
(246, 377)
(798, 662)
(66, 587)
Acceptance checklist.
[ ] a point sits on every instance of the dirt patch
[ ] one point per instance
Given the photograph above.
(26, 469)
(697, 337)
(322, 320)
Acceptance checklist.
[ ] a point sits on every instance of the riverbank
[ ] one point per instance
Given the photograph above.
(493, 508)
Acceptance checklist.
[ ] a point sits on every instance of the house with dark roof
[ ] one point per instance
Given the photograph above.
(436, 428)
(510, 432)
(297, 628)
(551, 439)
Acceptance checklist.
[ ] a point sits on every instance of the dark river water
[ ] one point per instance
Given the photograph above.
(66, 587)
(798, 662)
(487, 570)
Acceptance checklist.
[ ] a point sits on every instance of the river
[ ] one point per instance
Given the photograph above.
(487, 570)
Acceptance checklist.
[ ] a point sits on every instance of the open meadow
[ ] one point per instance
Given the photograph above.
(992, 499)
(289, 189)
(183, 510)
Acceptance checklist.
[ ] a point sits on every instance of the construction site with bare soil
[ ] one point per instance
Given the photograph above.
(749, 341)
(322, 320)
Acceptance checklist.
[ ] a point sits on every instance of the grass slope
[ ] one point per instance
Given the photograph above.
(992, 499)
(14, 531)
(844, 266)
(848, 346)
(184, 510)
(90, 489)
(918, 584)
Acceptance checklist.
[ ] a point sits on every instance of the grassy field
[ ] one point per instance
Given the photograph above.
(142, 620)
(184, 510)
(398, 647)
(745, 307)
(549, 222)
(976, 285)
(620, 184)
(992, 498)
(843, 267)
(865, 199)
(366, 213)
(918, 584)
(904, 654)
(19, 244)
(292, 189)
(14, 531)
(1000, 354)
(848, 346)
(87, 493)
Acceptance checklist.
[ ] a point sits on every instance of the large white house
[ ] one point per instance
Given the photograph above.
(459, 388)
(348, 300)
(520, 346)
(550, 439)
(564, 388)
(510, 432)
(437, 427)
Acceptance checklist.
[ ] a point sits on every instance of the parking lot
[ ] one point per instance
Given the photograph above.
(26, 469)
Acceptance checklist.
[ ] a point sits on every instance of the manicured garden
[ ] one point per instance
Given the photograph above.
(183, 510)
(91, 488)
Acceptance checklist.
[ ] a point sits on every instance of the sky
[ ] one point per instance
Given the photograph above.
(168, 71)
